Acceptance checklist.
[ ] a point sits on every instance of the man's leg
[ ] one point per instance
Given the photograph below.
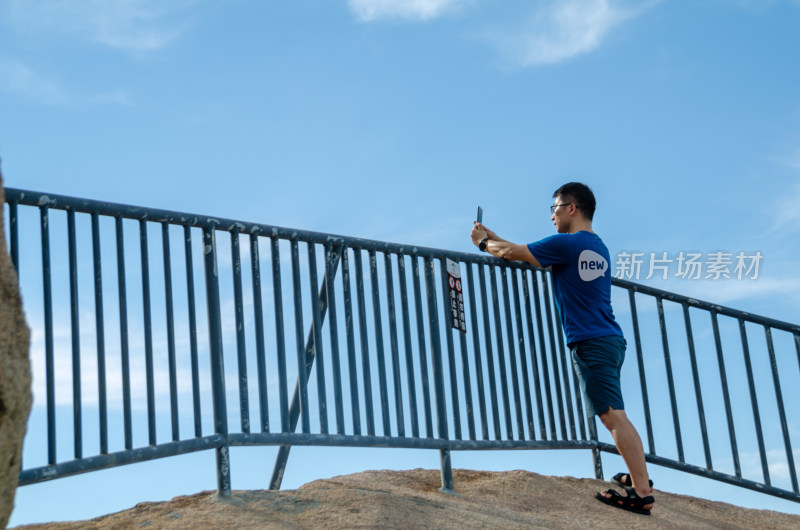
(630, 448)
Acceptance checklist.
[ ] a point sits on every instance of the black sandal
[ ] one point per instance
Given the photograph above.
(631, 502)
(618, 480)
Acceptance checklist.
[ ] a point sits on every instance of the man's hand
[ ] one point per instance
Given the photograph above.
(479, 229)
(500, 247)
(479, 233)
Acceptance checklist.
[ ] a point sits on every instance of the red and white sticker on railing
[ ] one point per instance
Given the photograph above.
(456, 294)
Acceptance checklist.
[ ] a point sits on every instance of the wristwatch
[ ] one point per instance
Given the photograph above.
(482, 244)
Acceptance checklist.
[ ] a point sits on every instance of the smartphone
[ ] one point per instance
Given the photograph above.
(479, 217)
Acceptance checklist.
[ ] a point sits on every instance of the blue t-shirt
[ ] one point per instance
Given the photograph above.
(581, 283)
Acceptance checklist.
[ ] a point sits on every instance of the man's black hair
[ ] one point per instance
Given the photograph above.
(581, 195)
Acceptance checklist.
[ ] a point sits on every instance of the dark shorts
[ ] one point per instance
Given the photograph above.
(597, 363)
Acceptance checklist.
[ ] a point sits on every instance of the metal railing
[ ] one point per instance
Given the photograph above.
(363, 326)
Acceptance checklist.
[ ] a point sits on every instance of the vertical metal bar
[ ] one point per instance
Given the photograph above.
(102, 399)
(148, 334)
(726, 396)
(333, 325)
(396, 380)
(302, 368)
(451, 361)
(76, 334)
(316, 330)
(280, 339)
(436, 350)
(351, 343)
(362, 325)
(566, 368)
(376, 312)
(13, 231)
(217, 361)
(534, 364)
(487, 329)
(753, 401)
(258, 306)
(438, 373)
(670, 381)
(522, 353)
(173, 375)
(447, 470)
(581, 417)
(462, 338)
(187, 241)
(569, 367)
(543, 359)
(123, 335)
(423, 354)
(781, 410)
(642, 378)
(48, 337)
(467, 380)
(596, 453)
(697, 388)
(241, 348)
(512, 355)
(554, 357)
(476, 348)
(501, 358)
(410, 379)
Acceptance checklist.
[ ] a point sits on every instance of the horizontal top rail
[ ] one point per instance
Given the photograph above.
(64, 202)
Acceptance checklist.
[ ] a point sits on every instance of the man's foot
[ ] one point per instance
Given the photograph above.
(631, 502)
(624, 480)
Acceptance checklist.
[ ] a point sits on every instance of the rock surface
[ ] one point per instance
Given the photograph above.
(15, 375)
(411, 499)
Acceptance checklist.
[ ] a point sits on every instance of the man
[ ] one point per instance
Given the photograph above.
(579, 261)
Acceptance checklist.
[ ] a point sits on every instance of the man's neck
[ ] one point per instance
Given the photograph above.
(581, 226)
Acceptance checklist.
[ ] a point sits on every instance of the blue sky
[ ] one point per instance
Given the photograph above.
(392, 120)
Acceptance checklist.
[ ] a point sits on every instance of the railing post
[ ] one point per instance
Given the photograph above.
(217, 363)
(597, 461)
(438, 375)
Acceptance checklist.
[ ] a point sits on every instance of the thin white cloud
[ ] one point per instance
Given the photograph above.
(777, 464)
(372, 10)
(787, 215)
(114, 98)
(727, 291)
(18, 78)
(565, 29)
(131, 25)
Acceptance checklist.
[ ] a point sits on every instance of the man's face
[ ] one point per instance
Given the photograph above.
(560, 216)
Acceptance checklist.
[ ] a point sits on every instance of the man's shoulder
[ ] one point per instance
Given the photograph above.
(588, 239)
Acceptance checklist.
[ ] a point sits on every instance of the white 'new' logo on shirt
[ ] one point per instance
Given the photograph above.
(591, 265)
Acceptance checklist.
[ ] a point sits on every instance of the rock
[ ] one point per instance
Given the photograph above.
(411, 499)
(15, 375)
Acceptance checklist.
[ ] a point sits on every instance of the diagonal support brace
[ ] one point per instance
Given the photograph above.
(310, 349)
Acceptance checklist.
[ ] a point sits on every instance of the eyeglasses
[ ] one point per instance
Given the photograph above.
(553, 207)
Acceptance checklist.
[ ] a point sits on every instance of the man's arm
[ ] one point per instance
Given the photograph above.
(501, 248)
(512, 252)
